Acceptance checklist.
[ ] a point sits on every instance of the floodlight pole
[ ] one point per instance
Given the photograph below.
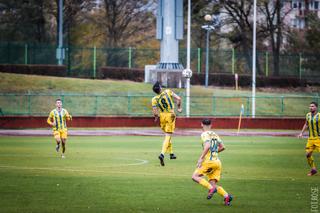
(208, 28)
(207, 58)
(213, 22)
(254, 59)
(60, 51)
(188, 72)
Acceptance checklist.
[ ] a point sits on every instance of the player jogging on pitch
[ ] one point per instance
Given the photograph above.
(313, 124)
(209, 163)
(57, 119)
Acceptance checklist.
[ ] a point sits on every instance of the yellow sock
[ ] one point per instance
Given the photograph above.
(165, 144)
(311, 162)
(205, 183)
(169, 148)
(221, 191)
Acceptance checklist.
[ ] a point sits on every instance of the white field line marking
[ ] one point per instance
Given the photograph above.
(140, 162)
(143, 173)
(137, 164)
(61, 169)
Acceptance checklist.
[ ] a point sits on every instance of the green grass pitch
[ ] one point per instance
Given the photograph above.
(122, 174)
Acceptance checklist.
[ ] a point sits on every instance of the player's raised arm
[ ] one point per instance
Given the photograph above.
(177, 98)
(155, 113)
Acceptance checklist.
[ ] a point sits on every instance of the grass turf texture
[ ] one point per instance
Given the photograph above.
(122, 174)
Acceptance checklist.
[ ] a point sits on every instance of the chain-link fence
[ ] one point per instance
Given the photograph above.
(140, 105)
(84, 61)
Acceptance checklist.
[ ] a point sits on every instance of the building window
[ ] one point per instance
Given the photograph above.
(316, 5)
(311, 5)
(294, 23)
(298, 23)
(301, 23)
(294, 4)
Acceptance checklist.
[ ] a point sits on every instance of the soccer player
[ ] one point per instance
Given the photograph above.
(209, 163)
(57, 119)
(163, 107)
(313, 144)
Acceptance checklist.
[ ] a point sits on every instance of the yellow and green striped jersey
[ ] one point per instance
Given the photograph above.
(59, 117)
(215, 141)
(164, 101)
(313, 122)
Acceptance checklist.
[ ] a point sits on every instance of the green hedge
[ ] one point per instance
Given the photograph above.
(218, 79)
(121, 73)
(43, 69)
(221, 79)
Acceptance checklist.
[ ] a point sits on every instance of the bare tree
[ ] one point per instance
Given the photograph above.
(24, 20)
(270, 27)
(273, 27)
(125, 20)
(124, 23)
(237, 16)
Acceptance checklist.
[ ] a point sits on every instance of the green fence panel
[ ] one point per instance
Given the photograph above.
(220, 61)
(12, 53)
(269, 106)
(113, 105)
(294, 105)
(42, 104)
(85, 61)
(229, 106)
(140, 105)
(142, 57)
(193, 58)
(12, 104)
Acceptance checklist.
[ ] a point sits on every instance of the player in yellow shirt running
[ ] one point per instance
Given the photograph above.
(163, 107)
(57, 119)
(209, 164)
(313, 124)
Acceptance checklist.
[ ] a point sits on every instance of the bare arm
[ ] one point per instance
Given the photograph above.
(68, 116)
(155, 113)
(177, 98)
(203, 154)
(305, 126)
(50, 122)
(221, 147)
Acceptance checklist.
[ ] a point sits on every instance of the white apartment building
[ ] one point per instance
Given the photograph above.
(297, 11)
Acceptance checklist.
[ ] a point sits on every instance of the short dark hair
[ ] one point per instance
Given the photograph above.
(315, 103)
(206, 122)
(156, 87)
(58, 99)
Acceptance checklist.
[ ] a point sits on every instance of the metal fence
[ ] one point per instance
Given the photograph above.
(140, 105)
(84, 61)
